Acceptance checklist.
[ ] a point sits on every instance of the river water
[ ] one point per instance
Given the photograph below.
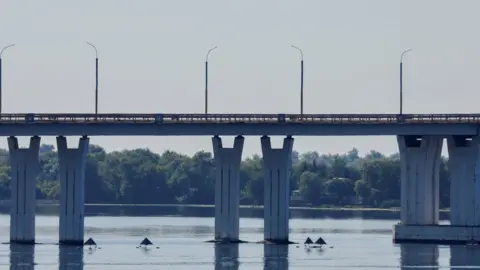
(179, 243)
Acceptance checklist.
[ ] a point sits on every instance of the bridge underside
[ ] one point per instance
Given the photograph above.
(234, 129)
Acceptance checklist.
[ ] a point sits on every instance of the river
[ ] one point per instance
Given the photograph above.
(179, 243)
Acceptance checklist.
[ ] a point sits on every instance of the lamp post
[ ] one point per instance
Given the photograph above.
(206, 79)
(1, 53)
(401, 80)
(96, 77)
(301, 79)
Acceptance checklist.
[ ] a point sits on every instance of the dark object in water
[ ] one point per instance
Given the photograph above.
(308, 241)
(90, 242)
(146, 242)
(320, 241)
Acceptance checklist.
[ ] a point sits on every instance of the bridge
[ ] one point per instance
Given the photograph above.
(420, 139)
(73, 124)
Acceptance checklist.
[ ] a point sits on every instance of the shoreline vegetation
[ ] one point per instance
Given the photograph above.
(319, 182)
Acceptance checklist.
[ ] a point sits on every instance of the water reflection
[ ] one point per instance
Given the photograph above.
(275, 257)
(419, 255)
(71, 257)
(226, 257)
(463, 256)
(21, 257)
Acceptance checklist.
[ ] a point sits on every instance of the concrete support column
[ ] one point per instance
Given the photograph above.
(72, 190)
(464, 166)
(24, 169)
(277, 165)
(227, 189)
(420, 164)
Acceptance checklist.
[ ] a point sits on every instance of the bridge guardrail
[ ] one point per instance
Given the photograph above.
(72, 118)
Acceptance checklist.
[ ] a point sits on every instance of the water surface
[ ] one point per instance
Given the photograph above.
(180, 244)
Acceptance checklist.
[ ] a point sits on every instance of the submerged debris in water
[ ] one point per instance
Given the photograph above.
(308, 241)
(320, 241)
(90, 242)
(146, 242)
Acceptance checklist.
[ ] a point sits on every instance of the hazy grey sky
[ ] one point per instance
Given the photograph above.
(152, 56)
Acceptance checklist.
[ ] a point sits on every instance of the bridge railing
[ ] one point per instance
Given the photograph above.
(238, 118)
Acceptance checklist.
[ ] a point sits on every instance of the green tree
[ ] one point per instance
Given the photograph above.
(342, 188)
(311, 186)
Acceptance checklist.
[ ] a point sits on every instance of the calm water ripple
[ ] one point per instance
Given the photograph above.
(179, 243)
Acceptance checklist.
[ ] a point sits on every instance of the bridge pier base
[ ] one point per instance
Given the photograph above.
(72, 190)
(277, 165)
(227, 189)
(420, 164)
(25, 165)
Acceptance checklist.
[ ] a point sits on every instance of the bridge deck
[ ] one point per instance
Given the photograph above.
(73, 118)
(72, 124)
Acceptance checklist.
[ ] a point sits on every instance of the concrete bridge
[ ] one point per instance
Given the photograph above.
(420, 138)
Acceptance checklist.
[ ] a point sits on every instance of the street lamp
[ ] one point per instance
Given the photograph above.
(206, 79)
(301, 79)
(1, 52)
(96, 77)
(401, 80)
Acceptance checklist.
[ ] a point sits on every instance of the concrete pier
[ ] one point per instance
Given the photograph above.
(72, 190)
(420, 164)
(227, 189)
(277, 165)
(464, 167)
(24, 169)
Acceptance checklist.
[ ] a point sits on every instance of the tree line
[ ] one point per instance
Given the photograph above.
(142, 177)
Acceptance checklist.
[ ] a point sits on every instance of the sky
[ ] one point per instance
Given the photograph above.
(152, 53)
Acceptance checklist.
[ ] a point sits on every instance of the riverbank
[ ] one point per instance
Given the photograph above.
(194, 210)
(318, 208)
